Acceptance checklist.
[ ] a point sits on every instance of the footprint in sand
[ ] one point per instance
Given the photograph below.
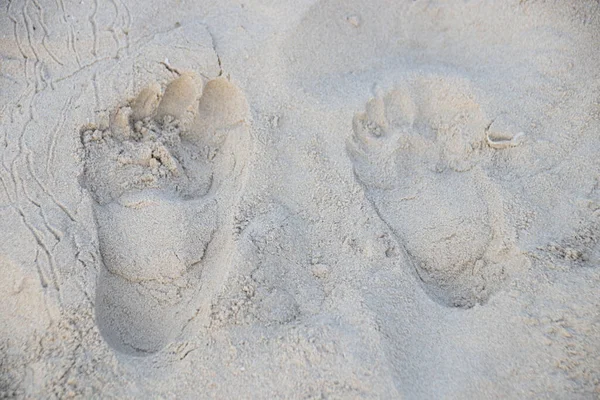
(420, 151)
(161, 172)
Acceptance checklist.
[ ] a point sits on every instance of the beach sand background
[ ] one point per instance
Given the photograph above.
(307, 199)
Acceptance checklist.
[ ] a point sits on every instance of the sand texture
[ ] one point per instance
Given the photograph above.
(312, 199)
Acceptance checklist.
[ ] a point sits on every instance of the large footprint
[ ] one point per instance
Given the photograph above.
(418, 151)
(160, 173)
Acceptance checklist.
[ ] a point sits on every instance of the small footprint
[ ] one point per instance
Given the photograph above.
(418, 151)
(159, 169)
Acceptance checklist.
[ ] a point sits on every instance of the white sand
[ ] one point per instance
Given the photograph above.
(300, 199)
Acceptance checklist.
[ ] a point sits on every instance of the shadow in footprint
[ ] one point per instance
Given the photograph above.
(161, 173)
(418, 150)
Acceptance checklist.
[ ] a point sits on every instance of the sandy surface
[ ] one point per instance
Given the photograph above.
(300, 199)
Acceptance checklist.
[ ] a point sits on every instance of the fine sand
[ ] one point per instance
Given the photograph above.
(306, 199)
